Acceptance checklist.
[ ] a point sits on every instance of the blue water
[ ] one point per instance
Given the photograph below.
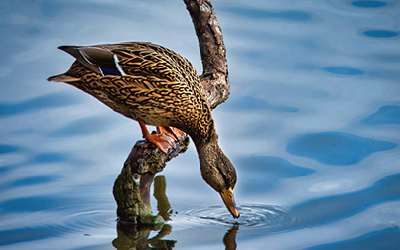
(312, 126)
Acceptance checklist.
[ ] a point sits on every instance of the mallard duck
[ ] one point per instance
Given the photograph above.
(156, 86)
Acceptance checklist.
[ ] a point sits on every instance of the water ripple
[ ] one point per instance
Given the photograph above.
(254, 216)
(64, 220)
(85, 220)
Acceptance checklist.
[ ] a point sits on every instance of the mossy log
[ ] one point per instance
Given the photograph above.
(132, 187)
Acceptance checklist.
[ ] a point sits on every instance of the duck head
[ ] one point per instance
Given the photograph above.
(219, 173)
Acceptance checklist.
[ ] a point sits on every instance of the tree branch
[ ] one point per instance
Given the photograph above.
(214, 79)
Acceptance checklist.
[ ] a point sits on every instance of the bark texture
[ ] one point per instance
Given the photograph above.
(214, 79)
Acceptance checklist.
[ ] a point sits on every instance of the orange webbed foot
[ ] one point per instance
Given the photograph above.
(171, 131)
(160, 139)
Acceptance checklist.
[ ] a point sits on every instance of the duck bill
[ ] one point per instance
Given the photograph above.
(229, 201)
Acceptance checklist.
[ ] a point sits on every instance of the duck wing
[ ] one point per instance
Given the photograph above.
(100, 60)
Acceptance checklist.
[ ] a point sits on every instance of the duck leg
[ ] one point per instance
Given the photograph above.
(160, 140)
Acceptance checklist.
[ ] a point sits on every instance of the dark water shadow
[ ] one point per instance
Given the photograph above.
(386, 239)
(380, 33)
(50, 101)
(9, 237)
(336, 148)
(36, 204)
(265, 14)
(32, 180)
(33, 157)
(343, 70)
(338, 207)
(25, 181)
(389, 114)
(85, 126)
(28, 205)
(6, 149)
(369, 4)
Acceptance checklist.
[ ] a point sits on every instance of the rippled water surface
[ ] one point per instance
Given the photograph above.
(312, 126)
(251, 216)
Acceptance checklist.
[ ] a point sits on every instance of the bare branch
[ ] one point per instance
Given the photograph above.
(212, 50)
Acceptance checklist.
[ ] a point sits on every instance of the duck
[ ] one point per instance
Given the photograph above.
(154, 86)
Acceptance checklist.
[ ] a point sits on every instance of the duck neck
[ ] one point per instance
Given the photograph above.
(207, 144)
(215, 167)
(210, 155)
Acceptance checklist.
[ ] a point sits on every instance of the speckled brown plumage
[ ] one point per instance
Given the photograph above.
(158, 86)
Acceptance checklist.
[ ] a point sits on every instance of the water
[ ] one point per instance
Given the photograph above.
(312, 126)
(270, 217)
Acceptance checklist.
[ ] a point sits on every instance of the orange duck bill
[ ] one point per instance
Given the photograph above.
(227, 197)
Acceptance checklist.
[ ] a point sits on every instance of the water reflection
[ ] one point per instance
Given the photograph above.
(230, 238)
(137, 236)
(163, 205)
(134, 237)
